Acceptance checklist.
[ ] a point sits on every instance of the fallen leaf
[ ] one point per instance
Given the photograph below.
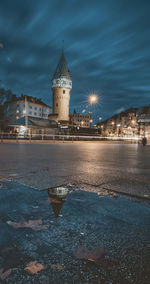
(5, 274)
(115, 195)
(12, 257)
(106, 262)
(36, 225)
(34, 267)
(95, 254)
(57, 267)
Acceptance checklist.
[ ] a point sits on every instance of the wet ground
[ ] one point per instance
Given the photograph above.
(68, 235)
(119, 167)
(90, 233)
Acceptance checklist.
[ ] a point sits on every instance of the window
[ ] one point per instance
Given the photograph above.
(63, 91)
(30, 107)
(57, 105)
(35, 113)
(30, 112)
(35, 107)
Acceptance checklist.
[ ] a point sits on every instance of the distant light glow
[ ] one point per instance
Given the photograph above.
(93, 98)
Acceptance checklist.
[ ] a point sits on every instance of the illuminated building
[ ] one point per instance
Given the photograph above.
(19, 107)
(61, 87)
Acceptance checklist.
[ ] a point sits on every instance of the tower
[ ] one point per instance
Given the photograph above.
(61, 87)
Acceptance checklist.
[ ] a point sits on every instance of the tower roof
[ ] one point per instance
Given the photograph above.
(62, 68)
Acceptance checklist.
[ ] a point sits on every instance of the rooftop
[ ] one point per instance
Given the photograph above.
(62, 69)
(29, 99)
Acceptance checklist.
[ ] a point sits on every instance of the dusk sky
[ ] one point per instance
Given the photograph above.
(106, 44)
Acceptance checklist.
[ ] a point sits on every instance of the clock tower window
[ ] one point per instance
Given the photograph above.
(63, 91)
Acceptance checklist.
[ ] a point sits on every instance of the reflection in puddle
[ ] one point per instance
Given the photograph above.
(57, 197)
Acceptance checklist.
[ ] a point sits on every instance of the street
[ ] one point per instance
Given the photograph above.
(85, 230)
(119, 167)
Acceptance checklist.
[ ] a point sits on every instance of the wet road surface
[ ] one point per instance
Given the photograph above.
(120, 167)
(72, 236)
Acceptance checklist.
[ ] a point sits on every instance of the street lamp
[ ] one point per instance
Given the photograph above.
(92, 99)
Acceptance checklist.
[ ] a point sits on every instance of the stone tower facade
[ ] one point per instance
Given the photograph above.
(61, 87)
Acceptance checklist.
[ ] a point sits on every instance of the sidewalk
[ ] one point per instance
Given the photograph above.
(87, 237)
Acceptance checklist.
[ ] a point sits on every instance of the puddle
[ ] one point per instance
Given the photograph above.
(57, 197)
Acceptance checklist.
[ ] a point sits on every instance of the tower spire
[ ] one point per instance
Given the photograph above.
(62, 68)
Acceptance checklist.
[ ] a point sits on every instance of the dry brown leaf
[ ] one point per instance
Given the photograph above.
(34, 267)
(115, 195)
(57, 267)
(5, 274)
(97, 256)
(93, 255)
(107, 263)
(33, 224)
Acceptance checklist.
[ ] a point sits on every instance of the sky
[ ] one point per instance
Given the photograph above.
(106, 45)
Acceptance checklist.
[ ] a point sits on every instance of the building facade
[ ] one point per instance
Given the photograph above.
(132, 123)
(25, 105)
(61, 88)
(80, 120)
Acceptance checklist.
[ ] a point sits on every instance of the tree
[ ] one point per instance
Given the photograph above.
(5, 95)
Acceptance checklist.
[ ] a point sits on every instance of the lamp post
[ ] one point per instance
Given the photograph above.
(92, 99)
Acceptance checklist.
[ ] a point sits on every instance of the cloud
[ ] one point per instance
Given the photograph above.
(106, 45)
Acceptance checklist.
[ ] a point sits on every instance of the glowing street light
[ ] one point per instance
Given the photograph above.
(92, 99)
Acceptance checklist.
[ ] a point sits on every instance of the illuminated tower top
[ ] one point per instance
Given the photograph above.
(62, 77)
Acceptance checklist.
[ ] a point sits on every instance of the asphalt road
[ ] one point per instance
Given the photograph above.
(121, 167)
(83, 237)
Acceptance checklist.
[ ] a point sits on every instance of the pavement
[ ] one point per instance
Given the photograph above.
(80, 237)
(98, 232)
(120, 167)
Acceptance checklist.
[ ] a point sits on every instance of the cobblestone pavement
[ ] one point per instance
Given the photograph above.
(66, 238)
(119, 167)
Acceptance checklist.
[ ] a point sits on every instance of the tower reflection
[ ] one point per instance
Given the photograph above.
(57, 197)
